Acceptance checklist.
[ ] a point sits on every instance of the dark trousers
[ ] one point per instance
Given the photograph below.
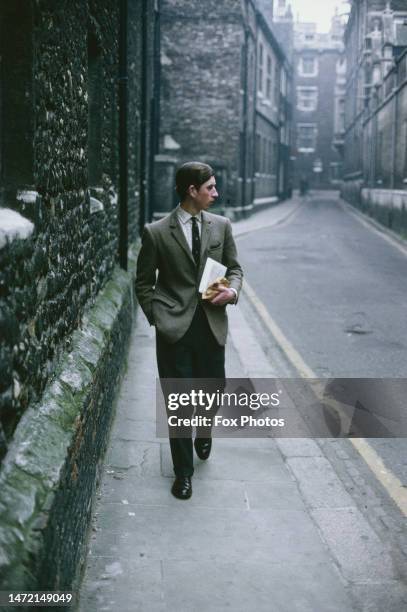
(196, 355)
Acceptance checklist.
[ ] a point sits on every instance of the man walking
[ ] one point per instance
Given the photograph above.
(190, 332)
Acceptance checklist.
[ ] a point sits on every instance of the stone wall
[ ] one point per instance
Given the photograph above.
(200, 78)
(66, 308)
(48, 477)
(47, 279)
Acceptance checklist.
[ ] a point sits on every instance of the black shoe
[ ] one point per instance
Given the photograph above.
(182, 487)
(203, 447)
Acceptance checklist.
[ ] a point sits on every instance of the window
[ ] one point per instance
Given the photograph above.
(340, 118)
(276, 84)
(251, 72)
(260, 73)
(307, 98)
(17, 107)
(266, 154)
(258, 153)
(283, 83)
(306, 137)
(268, 79)
(242, 67)
(401, 32)
(308, 66)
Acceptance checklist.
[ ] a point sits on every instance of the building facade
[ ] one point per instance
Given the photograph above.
(375, 146)
(318, 101)
(272, 118)
(220, 101)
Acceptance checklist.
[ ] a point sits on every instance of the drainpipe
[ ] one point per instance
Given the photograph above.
(255, 156)
(394, 134)
(154, 106)
(123, 162)
(244, 139)
(143, 216)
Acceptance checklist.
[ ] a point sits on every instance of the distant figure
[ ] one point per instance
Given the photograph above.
(289, 189)
(303, 185)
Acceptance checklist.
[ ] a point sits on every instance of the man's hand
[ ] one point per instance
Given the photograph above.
(225, 296)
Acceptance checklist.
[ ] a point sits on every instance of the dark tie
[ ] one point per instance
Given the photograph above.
(196, 241)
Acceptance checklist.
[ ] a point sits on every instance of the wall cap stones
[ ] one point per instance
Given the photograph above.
(170, 144)
(26, 196)
(14, 226)
(95, 205)
(165, 60)
(390, 198)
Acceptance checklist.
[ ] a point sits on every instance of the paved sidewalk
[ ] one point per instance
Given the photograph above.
(269, 527)
(244, 541)
(267, 217)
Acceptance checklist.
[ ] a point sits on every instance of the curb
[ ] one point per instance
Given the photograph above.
(243, 231)
(376, 224)
(49, 475)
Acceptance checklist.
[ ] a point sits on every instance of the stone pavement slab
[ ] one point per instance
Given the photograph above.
(213, 585)
(251, 586)
(371, 596)
(227, 534)
(358, 550)
(298, 447)
(318, 482)
(229, 462)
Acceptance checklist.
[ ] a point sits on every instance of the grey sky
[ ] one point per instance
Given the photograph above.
(319, 11)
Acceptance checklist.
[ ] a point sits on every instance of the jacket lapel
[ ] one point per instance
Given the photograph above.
(179, 236)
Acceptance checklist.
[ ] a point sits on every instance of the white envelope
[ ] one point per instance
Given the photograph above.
(213, 270)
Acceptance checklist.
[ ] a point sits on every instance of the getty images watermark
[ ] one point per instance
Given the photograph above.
(289, 407)
(202, 400)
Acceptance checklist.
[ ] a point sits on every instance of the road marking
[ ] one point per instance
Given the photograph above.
(390, 482)
(292, 354)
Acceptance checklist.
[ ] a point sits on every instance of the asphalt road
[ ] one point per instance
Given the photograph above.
(338, 291)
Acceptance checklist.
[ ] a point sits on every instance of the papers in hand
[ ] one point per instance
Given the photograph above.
(212, 271)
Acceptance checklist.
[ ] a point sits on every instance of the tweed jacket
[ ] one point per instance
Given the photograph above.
(167, 279)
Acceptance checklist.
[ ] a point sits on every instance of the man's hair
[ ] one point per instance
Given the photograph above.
(191, 173)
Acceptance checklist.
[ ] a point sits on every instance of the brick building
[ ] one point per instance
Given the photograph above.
(318, 95)
(66, 307)
(272, 118)
(375, 147)
(221, 70)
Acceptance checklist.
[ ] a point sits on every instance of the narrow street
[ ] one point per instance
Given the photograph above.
(337, 288)
(288, 525)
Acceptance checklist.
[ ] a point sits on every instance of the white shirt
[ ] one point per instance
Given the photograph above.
(186, 224)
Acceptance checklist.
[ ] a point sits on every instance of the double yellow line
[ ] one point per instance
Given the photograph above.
(390, 482)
